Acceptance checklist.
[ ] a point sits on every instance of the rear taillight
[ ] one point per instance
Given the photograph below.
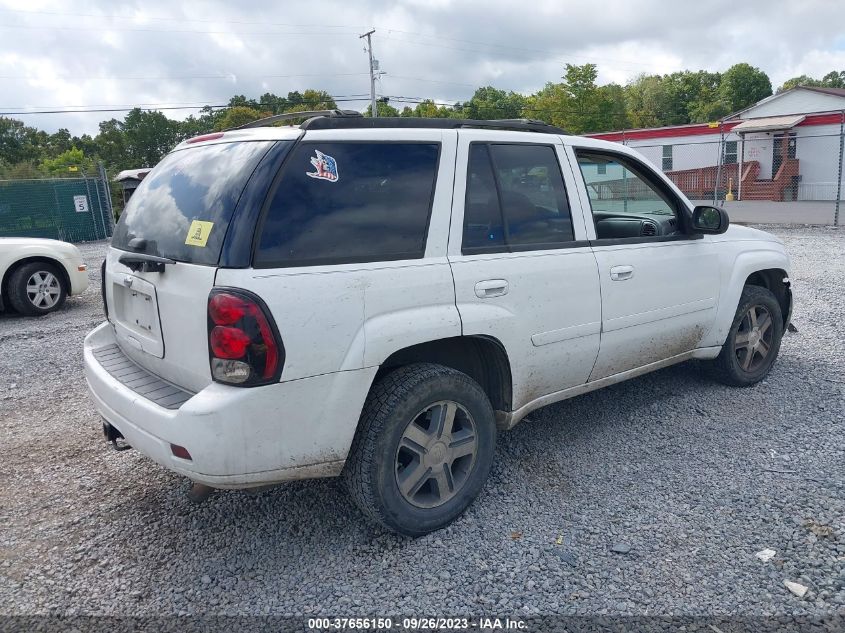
(205, 137)
(243, 343)
(103, 289)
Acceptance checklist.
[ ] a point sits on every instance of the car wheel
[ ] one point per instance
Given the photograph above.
(36, 289)
(753, 341)
(423, 449)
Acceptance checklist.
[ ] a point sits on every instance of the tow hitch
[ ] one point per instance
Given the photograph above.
(113, 435)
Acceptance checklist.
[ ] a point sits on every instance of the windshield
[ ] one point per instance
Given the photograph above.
(183, 207)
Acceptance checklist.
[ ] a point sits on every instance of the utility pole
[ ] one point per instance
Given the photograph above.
(373, 105)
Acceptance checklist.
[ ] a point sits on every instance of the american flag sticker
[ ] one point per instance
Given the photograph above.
(325, 166)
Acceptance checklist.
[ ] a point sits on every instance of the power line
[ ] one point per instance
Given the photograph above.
(430, 81)
(288, 102)
(354, 28)
(201, 104)
(180, 31)
(550, 53)
(168, 77)
(108, 110)
(173, 19)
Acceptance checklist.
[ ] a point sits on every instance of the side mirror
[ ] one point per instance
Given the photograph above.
(713, 220)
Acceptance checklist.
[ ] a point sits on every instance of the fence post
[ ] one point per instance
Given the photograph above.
(839, 179)
(90, 204)
(57, 212)
(719, 164)
(107, 193)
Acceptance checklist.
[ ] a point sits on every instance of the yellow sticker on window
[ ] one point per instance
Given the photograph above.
(198, 233)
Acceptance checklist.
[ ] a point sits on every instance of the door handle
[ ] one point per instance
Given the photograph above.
(621, 273)
(491, 288)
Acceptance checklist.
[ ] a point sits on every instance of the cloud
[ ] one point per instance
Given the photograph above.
(97, 53)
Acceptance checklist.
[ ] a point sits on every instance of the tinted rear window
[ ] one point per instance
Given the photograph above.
(183, 207)
(350, 202)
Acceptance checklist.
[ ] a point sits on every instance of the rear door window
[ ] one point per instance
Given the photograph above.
(349, 202)
(515, 199)
(182, 209)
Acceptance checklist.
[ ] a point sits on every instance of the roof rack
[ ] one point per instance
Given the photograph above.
(341, 120)
(309, 114)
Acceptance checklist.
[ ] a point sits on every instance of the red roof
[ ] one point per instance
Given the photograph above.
(836, 92)
(700, 129)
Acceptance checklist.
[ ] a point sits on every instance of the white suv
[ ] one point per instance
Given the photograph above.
(376, 297)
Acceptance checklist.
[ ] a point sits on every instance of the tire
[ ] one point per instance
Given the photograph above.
(36, 289)
(734, 366)
(415, 487)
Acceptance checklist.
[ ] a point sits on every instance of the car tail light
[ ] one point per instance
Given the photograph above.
(205, 137)
(103, 289)
(243, 343)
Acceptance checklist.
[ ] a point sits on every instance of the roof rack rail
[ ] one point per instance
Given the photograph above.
(309, 114)
(353, 122)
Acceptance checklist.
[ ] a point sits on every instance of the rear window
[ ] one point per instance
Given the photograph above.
(349, 202)
(183, 207)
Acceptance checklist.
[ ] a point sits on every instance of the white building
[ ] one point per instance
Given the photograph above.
(786, 147)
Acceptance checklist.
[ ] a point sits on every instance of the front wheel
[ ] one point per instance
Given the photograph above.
(36, 289)
(423, 449)
(753, 341)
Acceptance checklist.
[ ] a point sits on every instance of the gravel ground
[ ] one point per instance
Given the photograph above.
(689, 477)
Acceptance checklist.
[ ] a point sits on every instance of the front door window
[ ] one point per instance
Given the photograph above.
(625, 202)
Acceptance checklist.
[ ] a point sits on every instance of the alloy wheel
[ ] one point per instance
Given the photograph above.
(753, 340)
(43, 290)
(436, 454)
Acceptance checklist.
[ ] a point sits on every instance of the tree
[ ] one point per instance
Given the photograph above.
(237, 116)
(72, 161)
(427, 109)
(693, 97)
(611, 112)
(148, 137)
(578, 104)
(580, 90)
(491, 103)
(383, 109)
(743, 85)
(549, 104)
(18, 142)
(111, 145)
(647, 101)
(833, 79)
(310, 100)
(59, 142)
(800, 80)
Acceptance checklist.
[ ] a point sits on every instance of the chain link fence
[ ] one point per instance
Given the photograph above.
(790, 176)
(67, 209)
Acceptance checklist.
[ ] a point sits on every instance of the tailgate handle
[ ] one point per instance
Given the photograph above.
(144, 263)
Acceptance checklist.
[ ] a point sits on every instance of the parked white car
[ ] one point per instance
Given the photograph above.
(376, 297)
(38, 275)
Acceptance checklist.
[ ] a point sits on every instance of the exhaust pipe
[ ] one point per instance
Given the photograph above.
(112, 435)
(198, 493)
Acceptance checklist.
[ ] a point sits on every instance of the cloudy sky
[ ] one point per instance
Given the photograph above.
(58, 55)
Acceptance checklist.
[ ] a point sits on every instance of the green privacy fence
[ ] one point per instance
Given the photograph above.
(68, 209)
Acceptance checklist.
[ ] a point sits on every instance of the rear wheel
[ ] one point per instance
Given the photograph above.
(753, 341)
(36, 289)
(423, 449)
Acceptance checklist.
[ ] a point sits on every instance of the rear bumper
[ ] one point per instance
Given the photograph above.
(237, 437)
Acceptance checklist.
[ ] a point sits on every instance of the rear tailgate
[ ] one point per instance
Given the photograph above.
(160, 318)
